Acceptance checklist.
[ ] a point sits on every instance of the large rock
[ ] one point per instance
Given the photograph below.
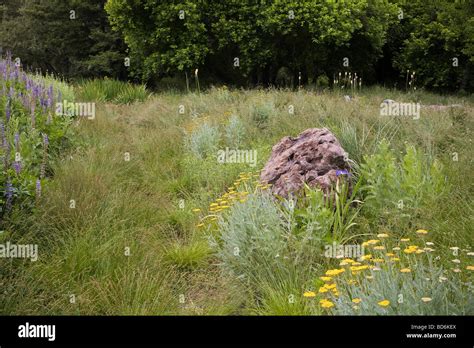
(314, 157)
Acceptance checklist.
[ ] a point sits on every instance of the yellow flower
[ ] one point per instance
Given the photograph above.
(422, 231)
(405, 270)
(382, 235)
(394, 259)
(213, 205)
(224, 202)
(411, 249)
(356, 264)
(356, 300)
(359, 268)
(419, 251)
(309, 294)
(334, 272)
(426, 299)
(390, 254)
(379, 247)
(197, 210)
(330, 286)
(200, 225)
(373, 241)
(346, 262)
(322, 289)
(325, 279)
(366, 257)
(326, 303)
(378, 260)
(384, 303)
(405, 240)
(470, 268)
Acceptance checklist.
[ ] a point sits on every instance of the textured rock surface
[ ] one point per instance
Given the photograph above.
(314, 157)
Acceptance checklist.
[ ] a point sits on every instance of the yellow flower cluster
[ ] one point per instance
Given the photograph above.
(374, 261)
(237, 193)
(326, 303)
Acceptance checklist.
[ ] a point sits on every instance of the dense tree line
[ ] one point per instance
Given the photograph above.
(249, 42)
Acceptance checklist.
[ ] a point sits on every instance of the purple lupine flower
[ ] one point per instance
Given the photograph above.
(17, 166)
(45, 140)
(342, 172)
(33, 118)
(17, 142)
(2, 134)
(38, 188)
(9, 194)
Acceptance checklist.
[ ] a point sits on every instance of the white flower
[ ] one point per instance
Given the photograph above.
(429, 243)
(456, 261)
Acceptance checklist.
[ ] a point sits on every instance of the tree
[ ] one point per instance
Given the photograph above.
(67, 37)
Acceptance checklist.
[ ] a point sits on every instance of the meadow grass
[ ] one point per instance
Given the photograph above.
(143, 176)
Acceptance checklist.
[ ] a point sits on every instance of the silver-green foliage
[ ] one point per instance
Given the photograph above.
(204, 141)
(252, 239)
(234, 132)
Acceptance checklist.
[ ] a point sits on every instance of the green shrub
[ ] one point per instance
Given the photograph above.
(397, 190)
(261, 113)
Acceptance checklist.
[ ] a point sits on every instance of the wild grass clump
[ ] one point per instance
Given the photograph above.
(188, 256)
(107, 90)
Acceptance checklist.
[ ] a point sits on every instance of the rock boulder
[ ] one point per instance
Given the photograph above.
(314, 157)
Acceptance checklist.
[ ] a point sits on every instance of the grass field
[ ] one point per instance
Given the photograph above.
(129, 224)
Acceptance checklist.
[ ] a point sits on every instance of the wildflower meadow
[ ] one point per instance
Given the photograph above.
(135, 165)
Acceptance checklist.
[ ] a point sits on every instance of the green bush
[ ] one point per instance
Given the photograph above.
(397, 190)
(261, 113)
